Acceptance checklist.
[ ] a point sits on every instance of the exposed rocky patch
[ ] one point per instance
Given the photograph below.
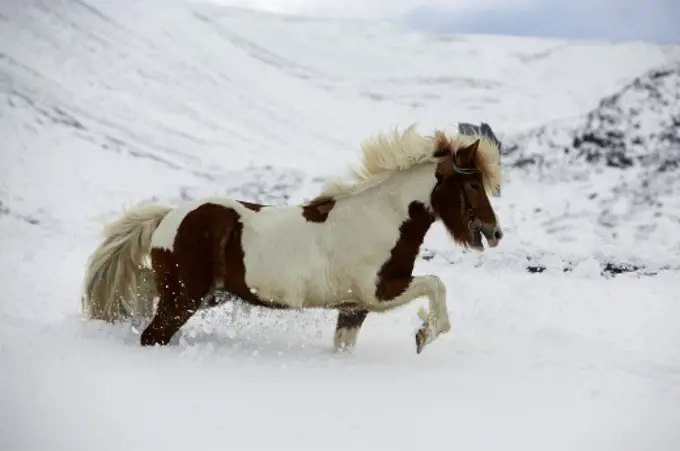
(621, 161)
(638, 126)
(538, 264)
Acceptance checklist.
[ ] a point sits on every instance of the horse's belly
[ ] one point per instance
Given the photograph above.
(301, 265)
(294, 282)
(291, 270)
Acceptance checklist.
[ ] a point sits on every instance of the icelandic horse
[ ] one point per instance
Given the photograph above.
(352, 248)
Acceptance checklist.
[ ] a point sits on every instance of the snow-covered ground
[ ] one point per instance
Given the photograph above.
(105, 104)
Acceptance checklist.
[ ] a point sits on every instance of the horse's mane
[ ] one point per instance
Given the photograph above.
(385, 153)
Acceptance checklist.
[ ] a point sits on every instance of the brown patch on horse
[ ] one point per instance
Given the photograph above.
(221, 233)
(207, 255)
(318, 209)
(175, 307)
(396, 273)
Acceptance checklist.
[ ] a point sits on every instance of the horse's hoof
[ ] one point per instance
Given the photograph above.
(149, 338)
(420, 340)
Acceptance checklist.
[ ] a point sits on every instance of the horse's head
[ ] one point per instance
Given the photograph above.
(464, 173)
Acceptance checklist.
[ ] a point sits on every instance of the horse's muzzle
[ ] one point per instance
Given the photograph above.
(492, 233)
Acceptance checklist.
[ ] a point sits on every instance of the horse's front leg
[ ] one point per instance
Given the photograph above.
(347, 328)
(393, 293)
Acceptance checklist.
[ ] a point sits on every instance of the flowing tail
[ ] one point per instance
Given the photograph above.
(117, 284)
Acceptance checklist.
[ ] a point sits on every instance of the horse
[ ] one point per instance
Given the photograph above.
(352, 248)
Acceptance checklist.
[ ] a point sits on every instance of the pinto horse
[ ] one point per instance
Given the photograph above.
(352, 248)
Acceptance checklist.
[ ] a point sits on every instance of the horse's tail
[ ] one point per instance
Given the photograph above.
(117, 285)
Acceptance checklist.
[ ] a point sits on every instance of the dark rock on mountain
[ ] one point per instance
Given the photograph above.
(638, 126)
(615, 170)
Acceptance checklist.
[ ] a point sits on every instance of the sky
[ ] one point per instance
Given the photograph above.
(646, 20)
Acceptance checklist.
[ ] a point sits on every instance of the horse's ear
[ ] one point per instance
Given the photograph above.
(465, 156)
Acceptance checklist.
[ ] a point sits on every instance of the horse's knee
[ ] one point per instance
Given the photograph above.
(437, 285)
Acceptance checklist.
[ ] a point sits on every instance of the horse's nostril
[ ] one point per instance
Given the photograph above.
(498, 234)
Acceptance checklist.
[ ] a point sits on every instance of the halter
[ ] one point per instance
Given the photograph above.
(464, 170)
(466, 201)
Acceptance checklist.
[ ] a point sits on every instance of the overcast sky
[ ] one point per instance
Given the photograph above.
(650, 20)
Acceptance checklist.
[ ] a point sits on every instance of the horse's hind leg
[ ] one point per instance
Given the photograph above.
(174, 308)
(221, 233)
(170, 316)
(347, 328)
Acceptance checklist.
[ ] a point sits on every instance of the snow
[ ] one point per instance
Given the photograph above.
(105, 104)
(629, 146)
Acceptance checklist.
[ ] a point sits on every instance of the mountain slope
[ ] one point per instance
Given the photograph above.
(623, 156)
(638, 126)
(199, 92)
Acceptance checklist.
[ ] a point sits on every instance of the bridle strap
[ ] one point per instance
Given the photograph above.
(468, 205)
(466, 202)
(464, 170)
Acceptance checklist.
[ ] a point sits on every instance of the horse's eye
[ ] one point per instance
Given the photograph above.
(474, 185)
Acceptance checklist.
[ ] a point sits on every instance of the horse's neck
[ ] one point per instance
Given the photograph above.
(397, 192)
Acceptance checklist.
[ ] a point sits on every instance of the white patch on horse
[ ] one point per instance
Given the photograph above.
(164, 236)
(291, 261)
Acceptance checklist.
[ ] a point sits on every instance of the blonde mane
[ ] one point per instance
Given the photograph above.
(385, 153)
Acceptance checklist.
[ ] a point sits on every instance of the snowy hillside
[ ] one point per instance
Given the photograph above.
(628, 146)
(105, 104)
(636, 126)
